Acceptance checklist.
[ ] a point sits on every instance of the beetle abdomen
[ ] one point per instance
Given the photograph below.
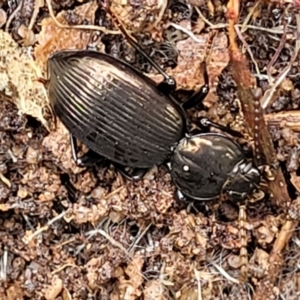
(113, 109)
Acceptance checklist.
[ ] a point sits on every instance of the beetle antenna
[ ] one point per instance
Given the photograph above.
(132, 41)
(243, 250)
(205, 122)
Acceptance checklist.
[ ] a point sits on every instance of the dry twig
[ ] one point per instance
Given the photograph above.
(27, 239)
(266, 100)
(278, 186)
(83, 27)
(12, 16)
(253, 114)
(284, 119)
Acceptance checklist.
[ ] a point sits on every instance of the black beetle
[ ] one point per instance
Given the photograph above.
(206, 164)
(123, 116)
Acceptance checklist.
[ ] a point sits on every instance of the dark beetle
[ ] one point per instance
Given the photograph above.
(123, 116)
(206, 164)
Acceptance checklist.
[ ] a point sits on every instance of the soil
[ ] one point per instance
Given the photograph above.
(68, 232)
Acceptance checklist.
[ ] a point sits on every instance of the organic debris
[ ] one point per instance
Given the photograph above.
(18, 78)
(88, 233)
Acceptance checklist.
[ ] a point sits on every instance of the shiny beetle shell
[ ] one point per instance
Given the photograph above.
(113, 109)
(205, 165)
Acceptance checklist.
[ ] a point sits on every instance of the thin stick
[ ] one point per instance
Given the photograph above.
(239, 33)
(83, 27)
(27, 239)
(275, 56)
(186, 31)
(12, 16)
(274, 30)
(266, 101)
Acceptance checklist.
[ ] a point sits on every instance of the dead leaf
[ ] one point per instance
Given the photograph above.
(53, 38)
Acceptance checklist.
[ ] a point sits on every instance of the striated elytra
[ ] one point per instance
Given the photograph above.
(123, 116)
(113, 109)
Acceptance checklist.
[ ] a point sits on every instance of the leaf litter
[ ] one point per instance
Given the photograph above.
(72, 233)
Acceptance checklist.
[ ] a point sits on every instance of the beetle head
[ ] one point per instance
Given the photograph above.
(242, 181)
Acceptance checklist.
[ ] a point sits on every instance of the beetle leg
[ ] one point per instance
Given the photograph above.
(86, 160)
(72, 192)
(199, 95)
(180, 197)
(89, 159)
(166, 88)
(136, 174)
(243, 238)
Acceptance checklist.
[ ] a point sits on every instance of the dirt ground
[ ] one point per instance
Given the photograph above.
(88, 233)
